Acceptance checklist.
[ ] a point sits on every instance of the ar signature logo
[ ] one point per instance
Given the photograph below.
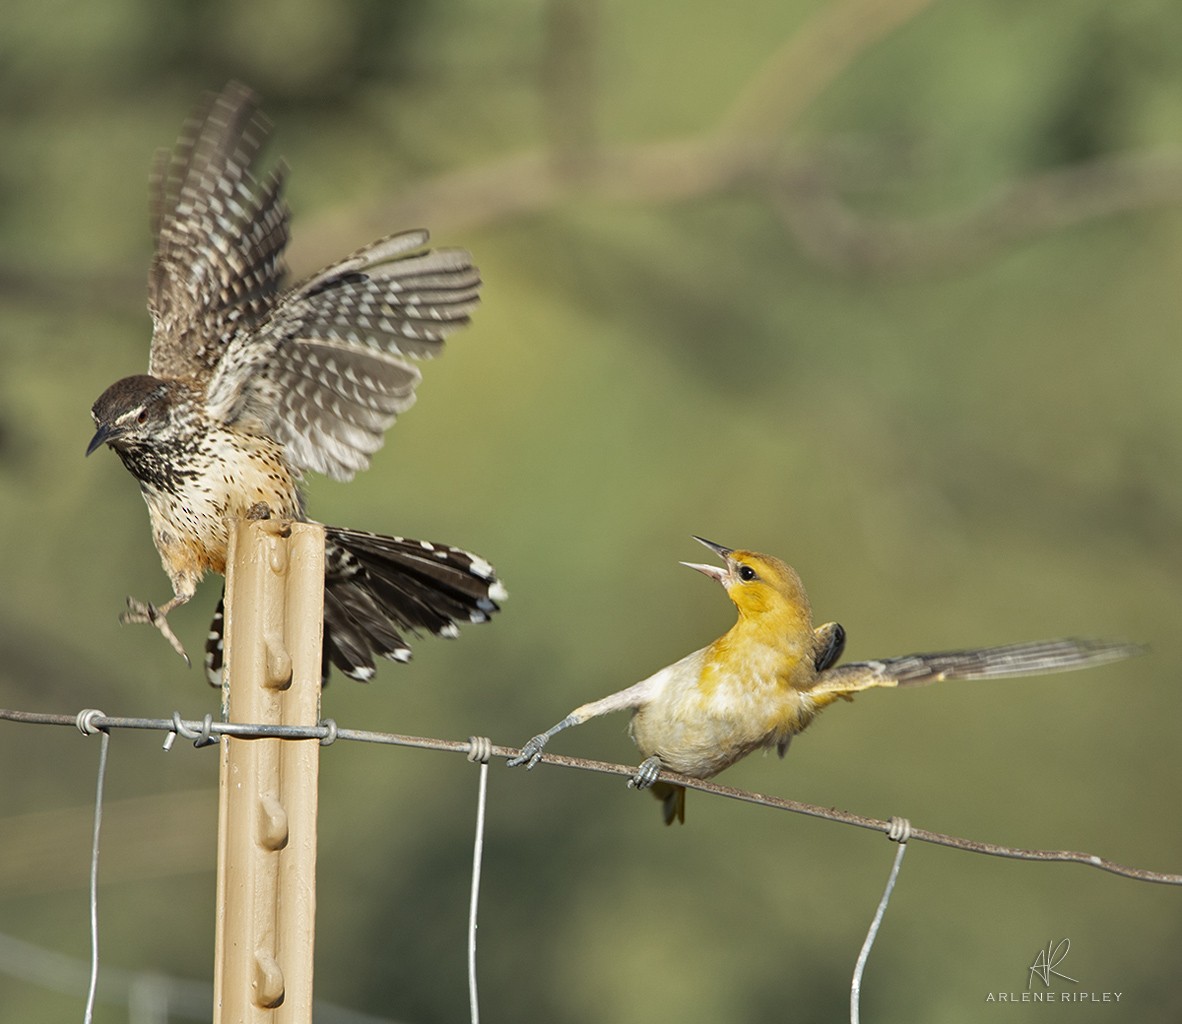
(1047, 963)
(1047, 960)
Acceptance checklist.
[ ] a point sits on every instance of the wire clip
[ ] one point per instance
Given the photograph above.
(86, 721)
(330, 732)
(202, 737)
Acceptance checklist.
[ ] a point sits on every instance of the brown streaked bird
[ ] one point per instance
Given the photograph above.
(249, 386)
(768, 677)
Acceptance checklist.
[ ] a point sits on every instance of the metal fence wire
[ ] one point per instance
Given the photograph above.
(208, 732)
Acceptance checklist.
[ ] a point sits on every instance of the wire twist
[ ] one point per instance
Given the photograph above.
(87, 721)
(330, 732)
(480, 749)
(202, 737)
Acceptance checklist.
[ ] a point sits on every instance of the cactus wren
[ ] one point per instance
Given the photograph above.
(249, 386)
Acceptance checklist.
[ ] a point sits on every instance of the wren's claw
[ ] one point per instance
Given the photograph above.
(141, 611)
(531, 753)
(648, 773)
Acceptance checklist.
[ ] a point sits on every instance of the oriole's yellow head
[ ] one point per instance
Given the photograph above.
(759, 585)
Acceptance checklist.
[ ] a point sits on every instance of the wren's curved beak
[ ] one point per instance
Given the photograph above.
(713, 571)
(101, 436)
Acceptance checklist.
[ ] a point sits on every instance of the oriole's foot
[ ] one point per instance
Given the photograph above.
(141, 611)
(531, 753)
(648, 773)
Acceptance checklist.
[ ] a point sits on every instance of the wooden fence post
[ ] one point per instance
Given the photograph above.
(266, 887)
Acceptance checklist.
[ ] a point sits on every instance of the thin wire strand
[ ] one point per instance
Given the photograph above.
(477, 858)
(104, 742)
(247, 731)
(872, 934)
(480, 750)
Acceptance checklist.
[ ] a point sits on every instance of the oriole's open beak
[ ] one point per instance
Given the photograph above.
(718, 549)
(100, 437)
(715, 572)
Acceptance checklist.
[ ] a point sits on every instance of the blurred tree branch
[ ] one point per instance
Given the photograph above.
(749, 150)
(806, 64)
(834, 235)
(752, 149)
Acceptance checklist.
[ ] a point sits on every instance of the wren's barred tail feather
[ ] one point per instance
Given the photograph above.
(377, 590)
(249, 387)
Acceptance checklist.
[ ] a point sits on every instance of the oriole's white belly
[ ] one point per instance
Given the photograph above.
(699, 722)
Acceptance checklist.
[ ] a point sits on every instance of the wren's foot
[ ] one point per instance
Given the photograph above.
(140, 611)
(648, 773)
(531, 753)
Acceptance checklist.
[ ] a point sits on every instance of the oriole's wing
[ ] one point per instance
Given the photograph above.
(830, 644)
(1028, 659)
(220, 234)
(328, 372)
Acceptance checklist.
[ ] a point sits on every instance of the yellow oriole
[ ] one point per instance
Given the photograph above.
(766, 679)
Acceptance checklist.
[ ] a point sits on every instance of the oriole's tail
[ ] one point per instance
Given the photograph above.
(1039, 657)
(672, 799)
(380, 590)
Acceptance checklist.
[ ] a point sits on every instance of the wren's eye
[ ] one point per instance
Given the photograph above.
(747, 574)
(142, 418)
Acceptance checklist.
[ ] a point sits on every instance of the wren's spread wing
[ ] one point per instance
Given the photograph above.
(1026, 659)
(220, 234)
(327, 373)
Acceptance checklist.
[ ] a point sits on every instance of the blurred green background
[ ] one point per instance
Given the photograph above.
(889, 289)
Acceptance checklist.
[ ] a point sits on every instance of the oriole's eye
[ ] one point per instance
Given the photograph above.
(746, 573)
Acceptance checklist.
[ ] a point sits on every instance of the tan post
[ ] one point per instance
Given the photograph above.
(266, 888)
